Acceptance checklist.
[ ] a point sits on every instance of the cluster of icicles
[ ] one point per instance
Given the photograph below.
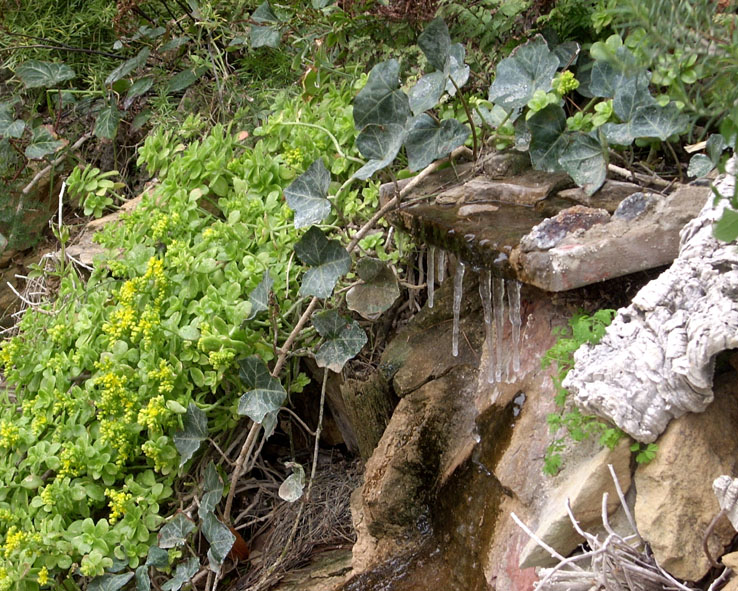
(492, 291)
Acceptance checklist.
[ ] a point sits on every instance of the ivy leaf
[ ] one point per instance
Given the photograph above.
(378, 292)
(699, 166)
(586, 162)
(567, 53)
(106, 124)
(143, 581)
(608, 75)
(548, 138)
(726, 228)
(291, 489)
(306, 195)
(36, 74)
(264, 37)
(266, 394)
(219, 537)
(259, 297)
(183, 574)
(184, 79)
(195, 430)
(328, 261)
(382, 101)
(435, 42)
(175, 532)
(10, 127)
(379, 143)
(42, 144)
(128, 66)
(456, 69)
(715, 146)
(264, 14)
(630, 95)
(651, 121)
(427, 140)
(139, 87)
(213, 491)
(530, 67)
(426, 92)
(157, 557)
(109, 582)
(344, 338)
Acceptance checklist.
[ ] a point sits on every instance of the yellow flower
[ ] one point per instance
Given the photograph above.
(43, 576)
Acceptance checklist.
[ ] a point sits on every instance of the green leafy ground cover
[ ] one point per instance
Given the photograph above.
(127, 388)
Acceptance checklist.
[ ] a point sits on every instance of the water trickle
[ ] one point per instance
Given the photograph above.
(513, 300)
(498, 297)
(485, 293)
(441, 266)
(431, 274)
(458, 292)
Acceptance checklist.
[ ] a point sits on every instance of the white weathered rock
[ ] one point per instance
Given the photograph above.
(656, 361)
(726, 491)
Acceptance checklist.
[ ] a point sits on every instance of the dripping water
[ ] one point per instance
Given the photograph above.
(513, 300)
(458, 292)
(431, 269)
(441, 266)
(498, 296)
(485, 292)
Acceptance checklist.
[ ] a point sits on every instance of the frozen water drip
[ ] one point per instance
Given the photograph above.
(458, 293)
(485, 293)
(498, 297)
(513, 300)
(431, 274)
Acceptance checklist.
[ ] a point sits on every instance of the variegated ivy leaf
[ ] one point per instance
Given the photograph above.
(548, 138)
(435, 42)
(109, 582)
(174, 533)
(379, 143)
(128, 66)
(259, 297)
(585, 159)
(652, 121)
(344, 338)
(427, 140)
(456, 70)
(307, 195)
(213, 491)
(266, 394)
(106, 124)
(37, 74)
(42, 144)
(327, 259)
(291, 489)
(529, 67)
(382, 101)
(195, 431)
(182, 574)
(699, 166)
(219, 537)
(426, 92)
(378, 291)
(9, 126)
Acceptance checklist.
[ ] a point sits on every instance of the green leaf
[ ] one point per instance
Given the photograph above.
(715, 146)
(183, 574)
(699, 166)
(378, 292)
(379, 143)
(328, 261)
(427, 140)
(259, 297)
(184, 79)
(344, 338)
(611, 71)
(548, 138)
(585, 159)
(267, 393)
(189, 332)
(426, 92)
(219, 537)
(382, 101)
(128, 66)
(42, 144)
(726, 228)
(10, 127)
(456, 69)
(264, 14)
(36, 74)
(174, 44)
(139, 87)
(264, 36)
(157, 557)
(630, 95)
(195, 430)
(174, 533)
(143, 581)
(435, 42)
(291, 489)
(307, 194)
(530, 67)
(652, 121)
(109, 582)
(106, 124)
(213, 491)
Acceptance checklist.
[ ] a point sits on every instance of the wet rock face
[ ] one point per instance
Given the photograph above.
(552, 231)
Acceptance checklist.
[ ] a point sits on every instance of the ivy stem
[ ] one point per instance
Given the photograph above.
(318, 429)
(468, 116)
(328, 133)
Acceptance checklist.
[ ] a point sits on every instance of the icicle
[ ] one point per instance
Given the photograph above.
(431, 274)
(458, 292)
(498, 296)
(441, 266)
(513, 300)
(485, 292)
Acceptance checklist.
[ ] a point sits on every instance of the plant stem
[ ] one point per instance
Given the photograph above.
(328, 133)
(468, 116)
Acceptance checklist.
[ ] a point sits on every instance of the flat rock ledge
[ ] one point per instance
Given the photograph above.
(656, 361)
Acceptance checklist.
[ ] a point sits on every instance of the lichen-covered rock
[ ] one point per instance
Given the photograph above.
(656, 361)
(553, 230)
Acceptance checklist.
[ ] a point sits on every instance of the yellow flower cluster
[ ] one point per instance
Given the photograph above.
(293, 157)
(151, 415)
(9, 352)
(43, 576)
(165, 376)
(162, 224)
(5, 581)
(71, 463)
(6, 515)
(117, 503)
(153, 451)
(15, 538)
(221, 359)
(113, 431)
(57, 332)
(9, 434)
(47, 495)
(38, 424)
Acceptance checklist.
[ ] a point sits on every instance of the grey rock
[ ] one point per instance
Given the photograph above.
(552, 231)
(634, 205)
